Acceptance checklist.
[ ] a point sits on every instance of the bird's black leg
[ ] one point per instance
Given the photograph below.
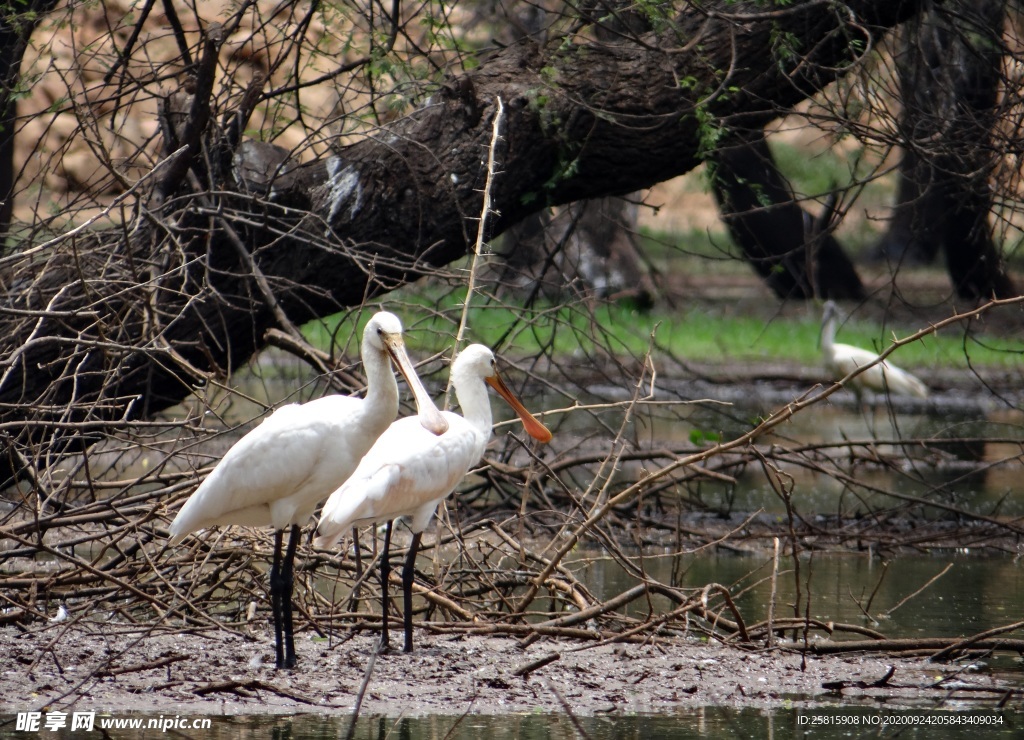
(288, 582)
(276, 585)
(353, 602)
(385, 574)
(407, 575)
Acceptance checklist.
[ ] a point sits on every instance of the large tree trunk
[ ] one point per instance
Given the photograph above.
(103, 328)
(796, 260)
(17, 21)
(949, 69)
(587, 247)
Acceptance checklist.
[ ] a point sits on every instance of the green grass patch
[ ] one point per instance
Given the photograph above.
(697, 334)
(707, 337)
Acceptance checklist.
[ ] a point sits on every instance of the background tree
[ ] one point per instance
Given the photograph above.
(586, 248)
(17, 22)
(589, 246)
(229, 237)
(949, 67)
(795, 252)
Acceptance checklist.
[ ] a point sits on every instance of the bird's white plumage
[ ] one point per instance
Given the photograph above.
(278, 472)
(408, 473)
(843, 359)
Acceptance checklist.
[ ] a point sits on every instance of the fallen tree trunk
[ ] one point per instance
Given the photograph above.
(101, 328)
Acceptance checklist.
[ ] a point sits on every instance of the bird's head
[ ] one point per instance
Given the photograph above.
(382, 329)
(383, 333)
(477, 362)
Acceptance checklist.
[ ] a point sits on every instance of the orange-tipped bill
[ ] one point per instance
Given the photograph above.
(430, 418)
(533, 427)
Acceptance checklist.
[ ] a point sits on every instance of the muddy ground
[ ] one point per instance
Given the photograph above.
(110, 666)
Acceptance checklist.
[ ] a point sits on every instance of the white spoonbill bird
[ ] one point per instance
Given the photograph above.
(842, 359)
(409, 471)
(277, 473)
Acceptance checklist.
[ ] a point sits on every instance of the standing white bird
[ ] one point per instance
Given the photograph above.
(277, 473)
(409, 471)
(843, 359)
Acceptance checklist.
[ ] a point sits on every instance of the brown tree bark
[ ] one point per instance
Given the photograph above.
(103, 328)
(587, 247)
(17, 21)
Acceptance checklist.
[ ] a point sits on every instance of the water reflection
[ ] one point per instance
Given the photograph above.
(975, 594)
(703, 722)
(959, 460)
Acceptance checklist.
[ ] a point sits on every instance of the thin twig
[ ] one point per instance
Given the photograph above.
(362, 693)
(770, 637)
(973, 640)
(905, 599)
(479, 245)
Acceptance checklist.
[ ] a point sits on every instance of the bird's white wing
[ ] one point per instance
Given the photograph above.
(406, 469)
(847, 358)
(881, 377)
(901, 382)
(294, 452)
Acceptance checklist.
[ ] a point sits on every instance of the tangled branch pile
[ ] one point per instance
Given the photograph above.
(517, 550)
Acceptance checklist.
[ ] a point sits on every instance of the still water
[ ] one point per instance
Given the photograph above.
(705, 722)
(957, 593)
(710, 722)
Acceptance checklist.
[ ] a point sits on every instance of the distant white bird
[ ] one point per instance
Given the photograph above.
(409, 471)
(843, 359)
(277, 473)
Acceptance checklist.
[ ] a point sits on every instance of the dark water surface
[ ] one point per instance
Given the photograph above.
(708, 722)
(970, 593)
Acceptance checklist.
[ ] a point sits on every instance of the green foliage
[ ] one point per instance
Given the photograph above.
(657, 13)
(709, 131)
(786, 46)
(701, 437)
(551, 123)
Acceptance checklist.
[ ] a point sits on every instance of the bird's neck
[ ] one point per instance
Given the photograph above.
(475, 405)
(381, 386)
(828, 336)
